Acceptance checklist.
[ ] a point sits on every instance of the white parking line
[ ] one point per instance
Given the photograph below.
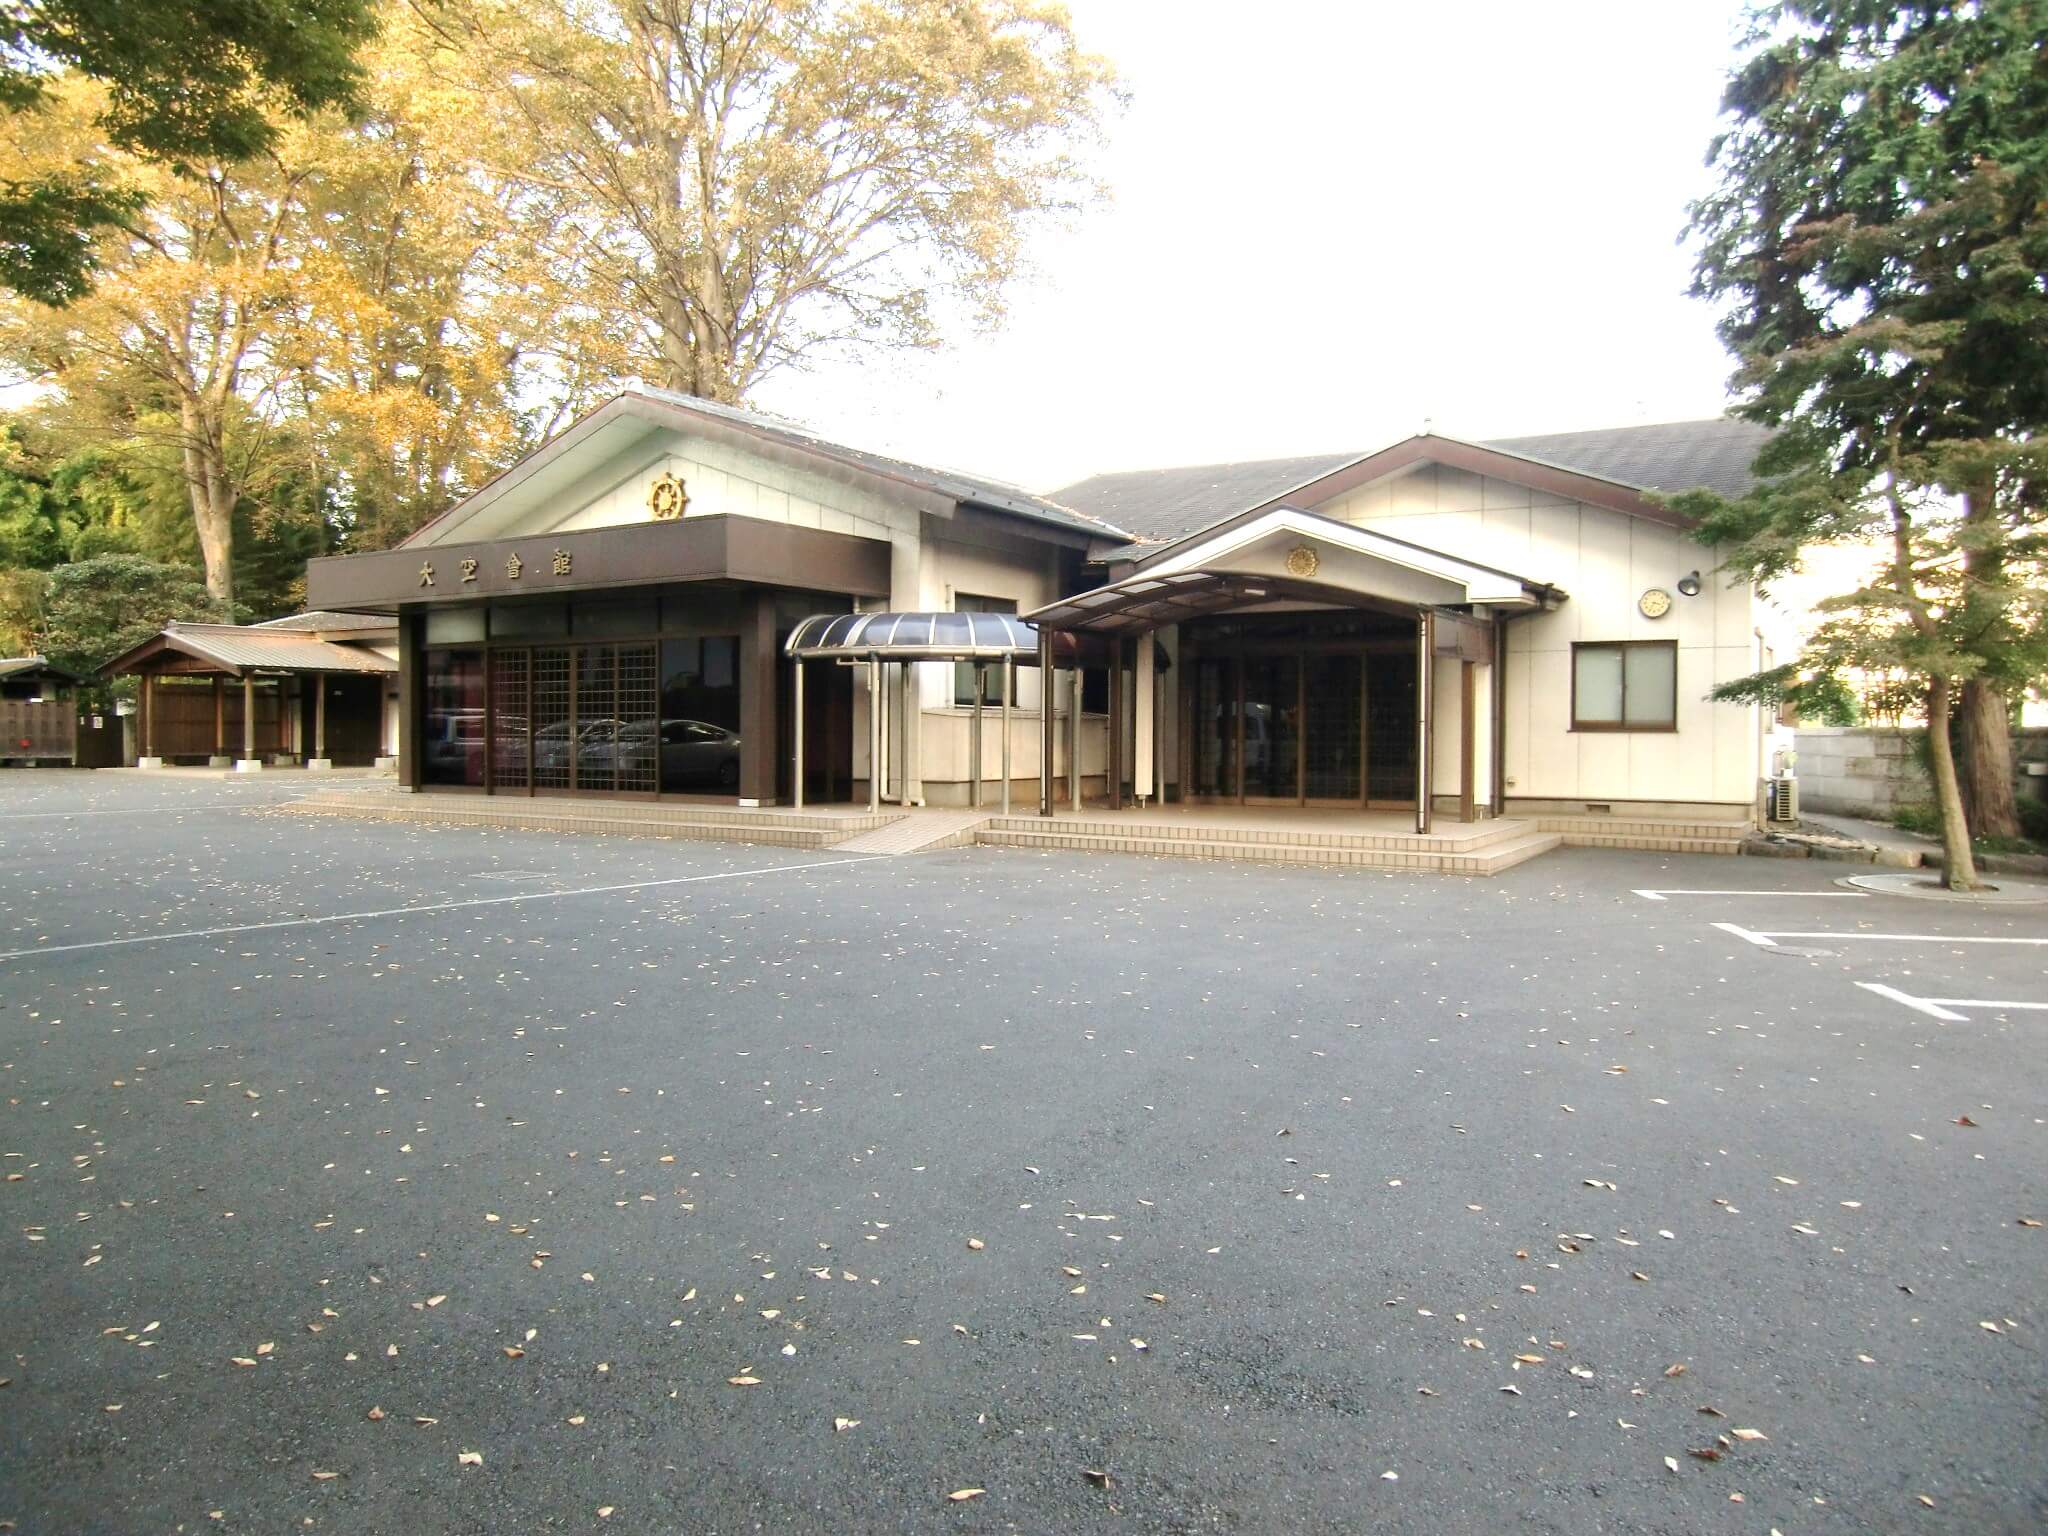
(439, 906)
(1768, 939)
(1943, 1008)
(1660, 895)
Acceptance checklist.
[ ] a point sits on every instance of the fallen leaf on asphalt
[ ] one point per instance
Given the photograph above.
(435, 1301)
(976, 1245)
(1792, 1183)
(1925, 1500)
(1096, 1476)
(604, 1511)
(1710, 1411)
(1991, 1327)
(1531, 1359)
(1156, 1296)
(1513, 1391)
(1965, 1120)
(375, 1415)
(514, 1352)
(840, 1426)
(1675, 1370)
(2028, 1221)
(1671, 1463)
(264, 1349)
(962, 1495)
(575, 1418)
(469, 1458)
(1749, 1434)
(743, 1381)
(1705, 1453)
(244, 1360)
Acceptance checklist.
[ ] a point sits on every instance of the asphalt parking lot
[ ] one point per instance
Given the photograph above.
(370, 1178)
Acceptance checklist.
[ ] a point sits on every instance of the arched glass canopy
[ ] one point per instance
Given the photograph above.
(914, 637)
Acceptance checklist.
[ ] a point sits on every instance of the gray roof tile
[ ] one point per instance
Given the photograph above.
(1165, 504)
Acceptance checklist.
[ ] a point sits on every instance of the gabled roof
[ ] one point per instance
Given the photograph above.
(1168, 504)
(328, 621)
(621, 422)
(238, 648)
(1671, 456)
(29, 666)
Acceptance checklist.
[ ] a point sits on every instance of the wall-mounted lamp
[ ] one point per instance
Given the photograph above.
(1690, 585)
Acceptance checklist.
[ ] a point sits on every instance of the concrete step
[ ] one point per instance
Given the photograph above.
(626, 818)
(1168, 828)
(1652, 842)
(1648, 834)
(1489, 860)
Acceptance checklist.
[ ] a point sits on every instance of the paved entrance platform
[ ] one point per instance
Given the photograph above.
(1266, 834)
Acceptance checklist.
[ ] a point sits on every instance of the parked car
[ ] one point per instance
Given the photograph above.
(696, 754)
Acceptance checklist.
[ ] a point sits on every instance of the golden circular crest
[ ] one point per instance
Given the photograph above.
(1654, 604)
(1303, 561)
(666, 498)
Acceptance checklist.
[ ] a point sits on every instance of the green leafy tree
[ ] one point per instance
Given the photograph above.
(93, 610)
(1877, 240)
(187, 82)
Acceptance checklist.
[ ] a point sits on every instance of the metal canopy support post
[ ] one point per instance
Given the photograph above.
(974, 740)
(248, 717)
(796, 732)
(874, 734)
(1074, 742)
(319, 716)
(1425, 716)
(1047, 693)
(1009, 682)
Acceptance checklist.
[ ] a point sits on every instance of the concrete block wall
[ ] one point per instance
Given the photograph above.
(1873, 770)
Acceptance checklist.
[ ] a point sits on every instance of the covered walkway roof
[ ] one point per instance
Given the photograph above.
(237, 650)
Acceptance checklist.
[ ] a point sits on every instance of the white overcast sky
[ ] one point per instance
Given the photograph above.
(1330, 222)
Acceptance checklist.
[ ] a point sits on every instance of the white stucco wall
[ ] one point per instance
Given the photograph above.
(1605, 560)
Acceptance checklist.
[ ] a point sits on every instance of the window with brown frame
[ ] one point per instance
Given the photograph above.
(1625, 685)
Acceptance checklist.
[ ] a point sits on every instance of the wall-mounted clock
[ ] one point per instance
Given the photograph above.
(1654, 604)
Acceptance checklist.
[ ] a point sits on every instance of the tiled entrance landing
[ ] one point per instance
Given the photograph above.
(1277, 834)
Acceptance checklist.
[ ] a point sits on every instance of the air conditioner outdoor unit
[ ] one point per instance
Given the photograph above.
(1781, 799)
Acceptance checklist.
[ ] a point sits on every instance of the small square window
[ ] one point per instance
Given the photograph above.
(963, 671)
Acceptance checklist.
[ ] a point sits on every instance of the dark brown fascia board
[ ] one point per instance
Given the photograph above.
(1452, 453)
(719, 547)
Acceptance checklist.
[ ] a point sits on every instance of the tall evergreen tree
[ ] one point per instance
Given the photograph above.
(1877, 239)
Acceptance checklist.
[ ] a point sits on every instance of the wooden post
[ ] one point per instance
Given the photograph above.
(220, 716)
(758, 733)
(319, 715)
(249, 717)
(149, 703)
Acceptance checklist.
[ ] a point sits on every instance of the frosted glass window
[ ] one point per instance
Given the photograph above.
(1625, 686)
(1597, 685)
(1650, 685)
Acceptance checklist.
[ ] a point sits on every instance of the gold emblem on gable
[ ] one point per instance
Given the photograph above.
(1303, 561)
(667, 498)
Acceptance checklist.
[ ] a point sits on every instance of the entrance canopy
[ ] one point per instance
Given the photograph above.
(913, 637)
(1292, 556)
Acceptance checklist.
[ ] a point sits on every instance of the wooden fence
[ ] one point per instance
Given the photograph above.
(46, 730)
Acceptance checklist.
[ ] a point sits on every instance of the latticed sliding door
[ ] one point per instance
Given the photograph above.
(552, 727)
(511, 719)
(596, 735)
(639, 685)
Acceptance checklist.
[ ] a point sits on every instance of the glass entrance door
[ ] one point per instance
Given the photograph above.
(1213, 733)
(1333, 708)
(1272, 728)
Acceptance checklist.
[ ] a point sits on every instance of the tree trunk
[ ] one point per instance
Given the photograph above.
(211, 490)
(1959, 869)
(1985, 753)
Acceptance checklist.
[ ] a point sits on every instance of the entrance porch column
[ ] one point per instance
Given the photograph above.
(1425, 717)
(874, 735)
(1048, 693)
(1145, 720)
(1075, 683)
(1009, 686)
(796, 767)
(758, 732)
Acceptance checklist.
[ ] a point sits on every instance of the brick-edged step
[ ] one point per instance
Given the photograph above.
(1488, 860)
(1147, 829)
(783, 829)
(1647, 833)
